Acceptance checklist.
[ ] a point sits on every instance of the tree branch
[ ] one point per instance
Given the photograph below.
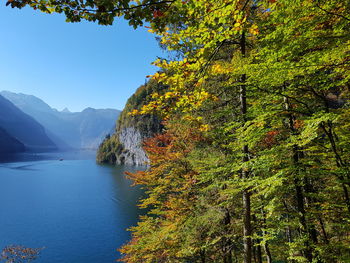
(332, 13)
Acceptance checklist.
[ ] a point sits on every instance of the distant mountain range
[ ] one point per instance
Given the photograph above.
(18, 128)
(58, 129)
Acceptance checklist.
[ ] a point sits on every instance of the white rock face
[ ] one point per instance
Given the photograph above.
(132, 153)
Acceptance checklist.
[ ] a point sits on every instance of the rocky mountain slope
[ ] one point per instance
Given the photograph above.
(125, 145)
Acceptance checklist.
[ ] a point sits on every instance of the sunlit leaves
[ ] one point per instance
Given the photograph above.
(293, 60)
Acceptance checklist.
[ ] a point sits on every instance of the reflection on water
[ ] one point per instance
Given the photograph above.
(76, 209)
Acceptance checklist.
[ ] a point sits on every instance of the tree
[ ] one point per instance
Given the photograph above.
(19, 254)
(256, 108)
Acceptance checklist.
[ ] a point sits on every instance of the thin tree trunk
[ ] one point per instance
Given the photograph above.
(247, 227)
(302, 219)
(258, 254)
(247, 241)
(257, 247)
(268, 253)
(307, 251)
(227, 249)
(339, 163)
(202, 253)
(266, 244)
(308, 201)
(289, 234)
(324, 233)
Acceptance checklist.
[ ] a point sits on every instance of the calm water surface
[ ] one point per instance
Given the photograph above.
(78, 210)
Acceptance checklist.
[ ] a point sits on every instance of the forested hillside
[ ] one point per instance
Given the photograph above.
(125, 145)
(253, 164)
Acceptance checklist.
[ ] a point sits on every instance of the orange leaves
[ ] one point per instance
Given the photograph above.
(157, 13)
(134, 112)
(158, 145)
(137, 177)
(270, 138)
(298, 124)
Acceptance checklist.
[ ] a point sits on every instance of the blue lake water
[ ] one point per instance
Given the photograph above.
(78, 210)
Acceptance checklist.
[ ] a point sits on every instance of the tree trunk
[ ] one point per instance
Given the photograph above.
(202, 253)
(227, 242)
(258, 254)
(339, 162)
(266, 244)
(307, 251)
(247, 228)
(325, 236)
(257, 247)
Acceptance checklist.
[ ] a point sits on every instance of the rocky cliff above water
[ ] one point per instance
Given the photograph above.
(125, 145)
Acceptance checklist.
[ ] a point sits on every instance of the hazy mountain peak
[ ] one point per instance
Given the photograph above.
(26, 102)
(89, 109)
(66, 110)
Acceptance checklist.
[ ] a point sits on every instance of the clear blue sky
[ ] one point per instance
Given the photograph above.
(73, 65)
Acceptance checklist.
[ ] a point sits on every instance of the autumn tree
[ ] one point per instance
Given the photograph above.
(253, 164)
(19, 254)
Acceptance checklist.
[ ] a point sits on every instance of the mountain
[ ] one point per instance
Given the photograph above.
(88, 128)
(18, 127)
(9, 144)
(125, 145)
(78, 130)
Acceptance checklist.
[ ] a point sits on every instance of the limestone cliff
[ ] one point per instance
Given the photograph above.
(125, 145)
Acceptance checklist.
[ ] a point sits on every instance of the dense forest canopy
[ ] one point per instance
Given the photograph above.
(254, 163)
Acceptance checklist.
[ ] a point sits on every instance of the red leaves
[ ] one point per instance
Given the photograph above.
(270, 138)
(157, 13)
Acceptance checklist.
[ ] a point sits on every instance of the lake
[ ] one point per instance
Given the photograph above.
(78, 210)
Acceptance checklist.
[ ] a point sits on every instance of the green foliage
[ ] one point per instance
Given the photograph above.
(108, 150)
(101, 11)
(291, 60)
(147, 125)
(254, 160)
